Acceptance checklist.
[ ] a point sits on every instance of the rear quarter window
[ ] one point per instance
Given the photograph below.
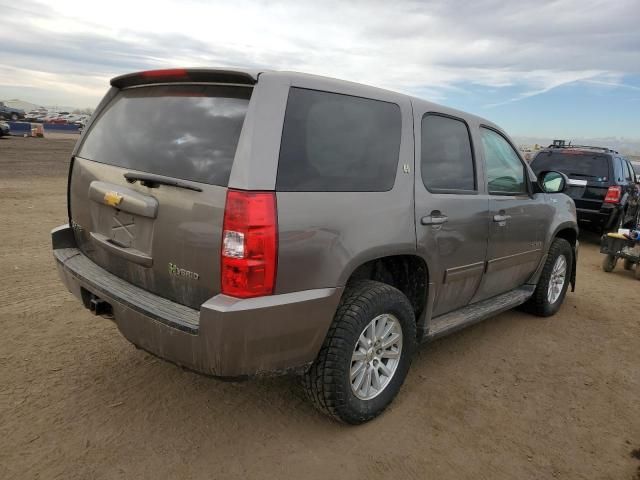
(188, 132)
(333, 142)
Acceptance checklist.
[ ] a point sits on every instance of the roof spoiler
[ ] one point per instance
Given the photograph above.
(190, 75)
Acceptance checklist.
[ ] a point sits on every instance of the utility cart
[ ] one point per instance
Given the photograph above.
(624, 246)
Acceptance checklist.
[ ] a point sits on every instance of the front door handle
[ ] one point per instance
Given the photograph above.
(436, 218)
(500, 218)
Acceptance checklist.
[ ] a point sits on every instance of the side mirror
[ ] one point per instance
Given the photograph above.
(553, 182)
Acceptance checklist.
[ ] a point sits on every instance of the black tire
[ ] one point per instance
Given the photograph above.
(609, 263)
(637, 219)
(628, 264)
(617, 224)
(628, 224)
(539, 303)
(327, 383)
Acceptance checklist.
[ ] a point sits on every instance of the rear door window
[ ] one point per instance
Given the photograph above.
(188, 132)
(630, 174)
(618, 170)
(446, 158)
(333, 142)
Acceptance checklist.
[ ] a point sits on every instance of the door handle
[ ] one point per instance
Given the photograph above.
(436, 218)
(130, 254)
(501, 218)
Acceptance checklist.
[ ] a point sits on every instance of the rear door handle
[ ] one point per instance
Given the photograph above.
(131, 254)
(434, 219)
(501, 218)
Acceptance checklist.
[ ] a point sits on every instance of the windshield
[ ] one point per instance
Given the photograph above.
(582, 165)
(188, 132)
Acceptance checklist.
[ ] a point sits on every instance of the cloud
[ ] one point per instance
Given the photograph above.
(428, 48)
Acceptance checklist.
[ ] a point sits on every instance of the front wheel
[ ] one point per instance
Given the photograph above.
(609, 263)
(366, 354)
(554, 280)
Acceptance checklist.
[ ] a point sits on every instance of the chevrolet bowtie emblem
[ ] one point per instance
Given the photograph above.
(112, 198)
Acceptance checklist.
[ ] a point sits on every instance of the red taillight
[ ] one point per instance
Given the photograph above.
(613, 194)
(249, 252)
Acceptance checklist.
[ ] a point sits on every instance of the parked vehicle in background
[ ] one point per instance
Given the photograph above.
(602, 183)
(636, 168)
(240, 224)
(31, 116)
(57, 118)
(10, 113)
(72, 118)
(4, 129)
(82, 121)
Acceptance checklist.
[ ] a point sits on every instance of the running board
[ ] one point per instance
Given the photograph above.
(453, 321)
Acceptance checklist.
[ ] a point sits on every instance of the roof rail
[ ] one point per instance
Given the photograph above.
(562, 144)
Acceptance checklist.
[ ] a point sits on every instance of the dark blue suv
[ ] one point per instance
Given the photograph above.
(602, 183)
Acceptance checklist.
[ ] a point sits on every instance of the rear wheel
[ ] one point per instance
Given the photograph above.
(554, 280)
(366, 354)
(628, 264)
(609, 263)
(617, 224)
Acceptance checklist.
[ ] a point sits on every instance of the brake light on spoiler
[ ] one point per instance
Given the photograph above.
(249, 253)
(187, 75)
(165, 73)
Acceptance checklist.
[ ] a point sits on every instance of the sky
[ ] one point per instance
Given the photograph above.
(556, 69)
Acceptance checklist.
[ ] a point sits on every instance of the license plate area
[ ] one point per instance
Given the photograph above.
(126, 224)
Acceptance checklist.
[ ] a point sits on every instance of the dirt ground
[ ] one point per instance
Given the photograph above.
(515, 397)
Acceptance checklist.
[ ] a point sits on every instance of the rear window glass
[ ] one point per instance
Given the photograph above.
(583, 166)
(333, 142)
(188, 132)
(447, 161)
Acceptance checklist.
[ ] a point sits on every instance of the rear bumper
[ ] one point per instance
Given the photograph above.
(228, 337)
(604, 218)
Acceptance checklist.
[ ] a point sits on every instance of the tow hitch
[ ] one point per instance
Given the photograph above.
(96, 305)
(100, 307)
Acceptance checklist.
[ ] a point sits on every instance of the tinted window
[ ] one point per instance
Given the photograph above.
(618, 170)
(630, 175)
(447, 162)
(187, 132)
(333, 142)
(505, 172)
(574, 164)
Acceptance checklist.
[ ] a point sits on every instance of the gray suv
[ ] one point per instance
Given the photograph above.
(244, 223)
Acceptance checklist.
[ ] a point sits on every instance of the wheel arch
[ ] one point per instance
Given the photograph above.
(409, 273)
(569, 232)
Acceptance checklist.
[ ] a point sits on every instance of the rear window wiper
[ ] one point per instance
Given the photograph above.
(153, 181)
